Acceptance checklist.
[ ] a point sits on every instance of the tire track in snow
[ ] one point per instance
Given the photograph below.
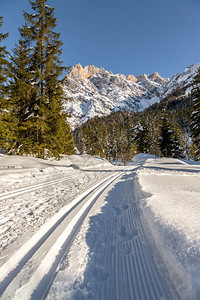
(46, 270)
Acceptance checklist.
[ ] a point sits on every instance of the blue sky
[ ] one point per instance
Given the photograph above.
(123, 36)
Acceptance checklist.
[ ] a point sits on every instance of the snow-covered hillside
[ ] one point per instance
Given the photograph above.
(97, 92)
(80, 228)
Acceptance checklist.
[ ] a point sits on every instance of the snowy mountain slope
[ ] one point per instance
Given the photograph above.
(97, 92)
(179, 81)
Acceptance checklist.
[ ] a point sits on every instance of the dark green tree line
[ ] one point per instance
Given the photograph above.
(126, 134)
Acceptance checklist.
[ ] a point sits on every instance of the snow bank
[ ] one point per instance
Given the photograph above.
(24, 162)
(86, 161)
(170, 201)
(141, 158)
(15, 169)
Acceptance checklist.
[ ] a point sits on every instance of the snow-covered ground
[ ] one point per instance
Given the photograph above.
(140, 240)
(23, 215)
(170, 201)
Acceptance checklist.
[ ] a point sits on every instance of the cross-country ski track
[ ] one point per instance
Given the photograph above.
(68, 219)
(101, 232)
(32, 188)
(127, 269)
(123, 263)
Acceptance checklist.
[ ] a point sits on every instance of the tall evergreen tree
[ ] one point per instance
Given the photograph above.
(112, 141)
(178, 139)
(5, 130)
(23, 94)
(3, 67)
(48, 129)
(166, 137)
(141, 136)
(195, 124)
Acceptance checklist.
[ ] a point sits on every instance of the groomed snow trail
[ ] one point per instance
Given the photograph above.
(59, 232)
(131, 237)
(32, 188)
(116, 258)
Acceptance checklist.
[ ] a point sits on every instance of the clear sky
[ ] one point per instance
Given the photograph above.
(122, 36)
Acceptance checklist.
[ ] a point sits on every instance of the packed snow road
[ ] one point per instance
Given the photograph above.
(99, 231)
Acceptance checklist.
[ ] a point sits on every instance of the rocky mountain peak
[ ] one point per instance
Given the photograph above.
(79, 72)
(157, 78)
(76, 71)
(154, 77)
(84, 73)
(97, 92)
(132, 78)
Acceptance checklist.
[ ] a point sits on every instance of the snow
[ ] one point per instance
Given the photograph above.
(44, 268)
(31, 211)
(140, 240)
(108, 259)
(171, 205)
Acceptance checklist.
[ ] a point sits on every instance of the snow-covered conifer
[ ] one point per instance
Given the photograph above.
(166, 137)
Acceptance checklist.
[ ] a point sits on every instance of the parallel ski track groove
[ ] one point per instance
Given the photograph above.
(143, 270)
(150, 275)
(137, 270)
(152, 272)
(19, 265)
(130, 276)
(32, 188)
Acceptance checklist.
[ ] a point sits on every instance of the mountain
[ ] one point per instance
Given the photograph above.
(93, 91)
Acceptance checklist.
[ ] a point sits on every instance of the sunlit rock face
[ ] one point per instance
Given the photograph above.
(92, 91)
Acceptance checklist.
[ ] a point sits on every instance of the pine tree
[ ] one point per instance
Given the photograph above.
(154, 132)
(177, 149)
(3, 67)
(48, 131)
(23, 94)
(166, 137)
(141, 136)
(112, 141)
(79, 139)
(178, 139)
(5, 124)
(195, 124)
